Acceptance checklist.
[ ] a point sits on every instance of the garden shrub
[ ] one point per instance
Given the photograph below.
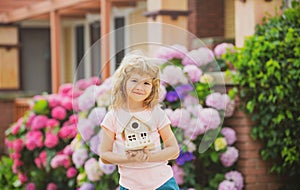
(8, 180)
(268, 74)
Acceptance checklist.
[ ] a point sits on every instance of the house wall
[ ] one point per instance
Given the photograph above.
(229, 22)
(207, 18)
(138, 34)
(6, 118)
(9, 58)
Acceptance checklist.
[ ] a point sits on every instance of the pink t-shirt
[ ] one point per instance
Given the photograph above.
(140, 176)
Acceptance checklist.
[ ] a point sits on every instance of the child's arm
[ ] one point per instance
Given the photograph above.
(107, 156)
(171, 148)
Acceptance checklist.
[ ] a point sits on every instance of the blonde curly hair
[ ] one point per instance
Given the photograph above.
(134, 63)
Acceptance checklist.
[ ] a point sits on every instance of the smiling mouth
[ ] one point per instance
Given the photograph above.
(138, 93)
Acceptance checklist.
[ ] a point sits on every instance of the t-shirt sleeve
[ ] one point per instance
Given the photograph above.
(162, 118)
(108, 122)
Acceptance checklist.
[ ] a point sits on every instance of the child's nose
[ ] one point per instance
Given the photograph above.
(139, 86)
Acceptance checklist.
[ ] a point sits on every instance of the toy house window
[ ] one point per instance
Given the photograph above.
(135, 125)
(143, 135)
(131, 137)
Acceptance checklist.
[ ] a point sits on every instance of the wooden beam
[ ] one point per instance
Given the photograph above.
(55, 50)
(105, 45)
(36, 9)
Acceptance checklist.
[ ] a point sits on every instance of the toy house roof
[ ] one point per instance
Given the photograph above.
(133, 117)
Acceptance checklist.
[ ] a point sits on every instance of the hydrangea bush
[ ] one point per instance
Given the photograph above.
(38, 142)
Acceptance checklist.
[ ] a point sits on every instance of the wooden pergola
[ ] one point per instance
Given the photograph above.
(12, 11)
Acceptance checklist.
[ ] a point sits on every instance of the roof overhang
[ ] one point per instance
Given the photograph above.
(15, 10)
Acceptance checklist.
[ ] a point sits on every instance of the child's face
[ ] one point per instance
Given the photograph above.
(138, 87)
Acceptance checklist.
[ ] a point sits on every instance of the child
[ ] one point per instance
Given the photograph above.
(135, 94)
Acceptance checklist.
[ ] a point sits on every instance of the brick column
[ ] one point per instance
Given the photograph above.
(256, 172)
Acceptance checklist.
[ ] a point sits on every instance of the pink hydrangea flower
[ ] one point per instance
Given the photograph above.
(67, 103)
(95, 81)
(52, 123)
(194, 129)
(54, 100)
(65, 89)
(184, 118)
(51, 186)
(51, 140)
(190, 100)
(173, 75)
(67, 131)
(95, 142)
(107, 168)
(217, 100)
(82, 84)
(178, 174)
(230, 106)
(194, 109)
(68, 150)
(30, 186)
(198, 57)
(193, 72)
(162, 93)
(229, 157)
(96, 115)
(93, 170)
(71, 172)
(16, 127)
(86, 128)
(73, 119)
(229, 134)
(167, 53)
(88, 99)
(79, 157)
(29, 120)
(222, 48)
(210, 118)
(39, 122)
(59, 113)
(41, 160)
(22, 177)
(34, 139)
(236, 177)
(18, 145)
(15, 155)
(60, 160)
(227, 185)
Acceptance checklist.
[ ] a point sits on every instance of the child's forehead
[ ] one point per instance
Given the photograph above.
(138, 75)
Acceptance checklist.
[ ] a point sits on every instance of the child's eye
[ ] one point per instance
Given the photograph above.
(133, 80)
(147, 83)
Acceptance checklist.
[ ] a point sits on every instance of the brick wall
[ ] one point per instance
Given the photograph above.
(207, 18)
(254, 169)
(6, 118)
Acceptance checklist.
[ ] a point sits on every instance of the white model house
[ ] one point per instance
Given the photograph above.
(136, 134)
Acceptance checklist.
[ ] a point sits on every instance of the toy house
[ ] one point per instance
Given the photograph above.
(136, 135)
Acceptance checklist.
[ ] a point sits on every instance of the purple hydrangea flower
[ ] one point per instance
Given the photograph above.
(183, 90)
(172, 96)
(229, 157)
(236, 177)
(227, 185)
(87, 186)
(184, 157)
(229, 135)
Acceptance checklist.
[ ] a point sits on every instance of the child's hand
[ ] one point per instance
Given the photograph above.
(138, 155)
